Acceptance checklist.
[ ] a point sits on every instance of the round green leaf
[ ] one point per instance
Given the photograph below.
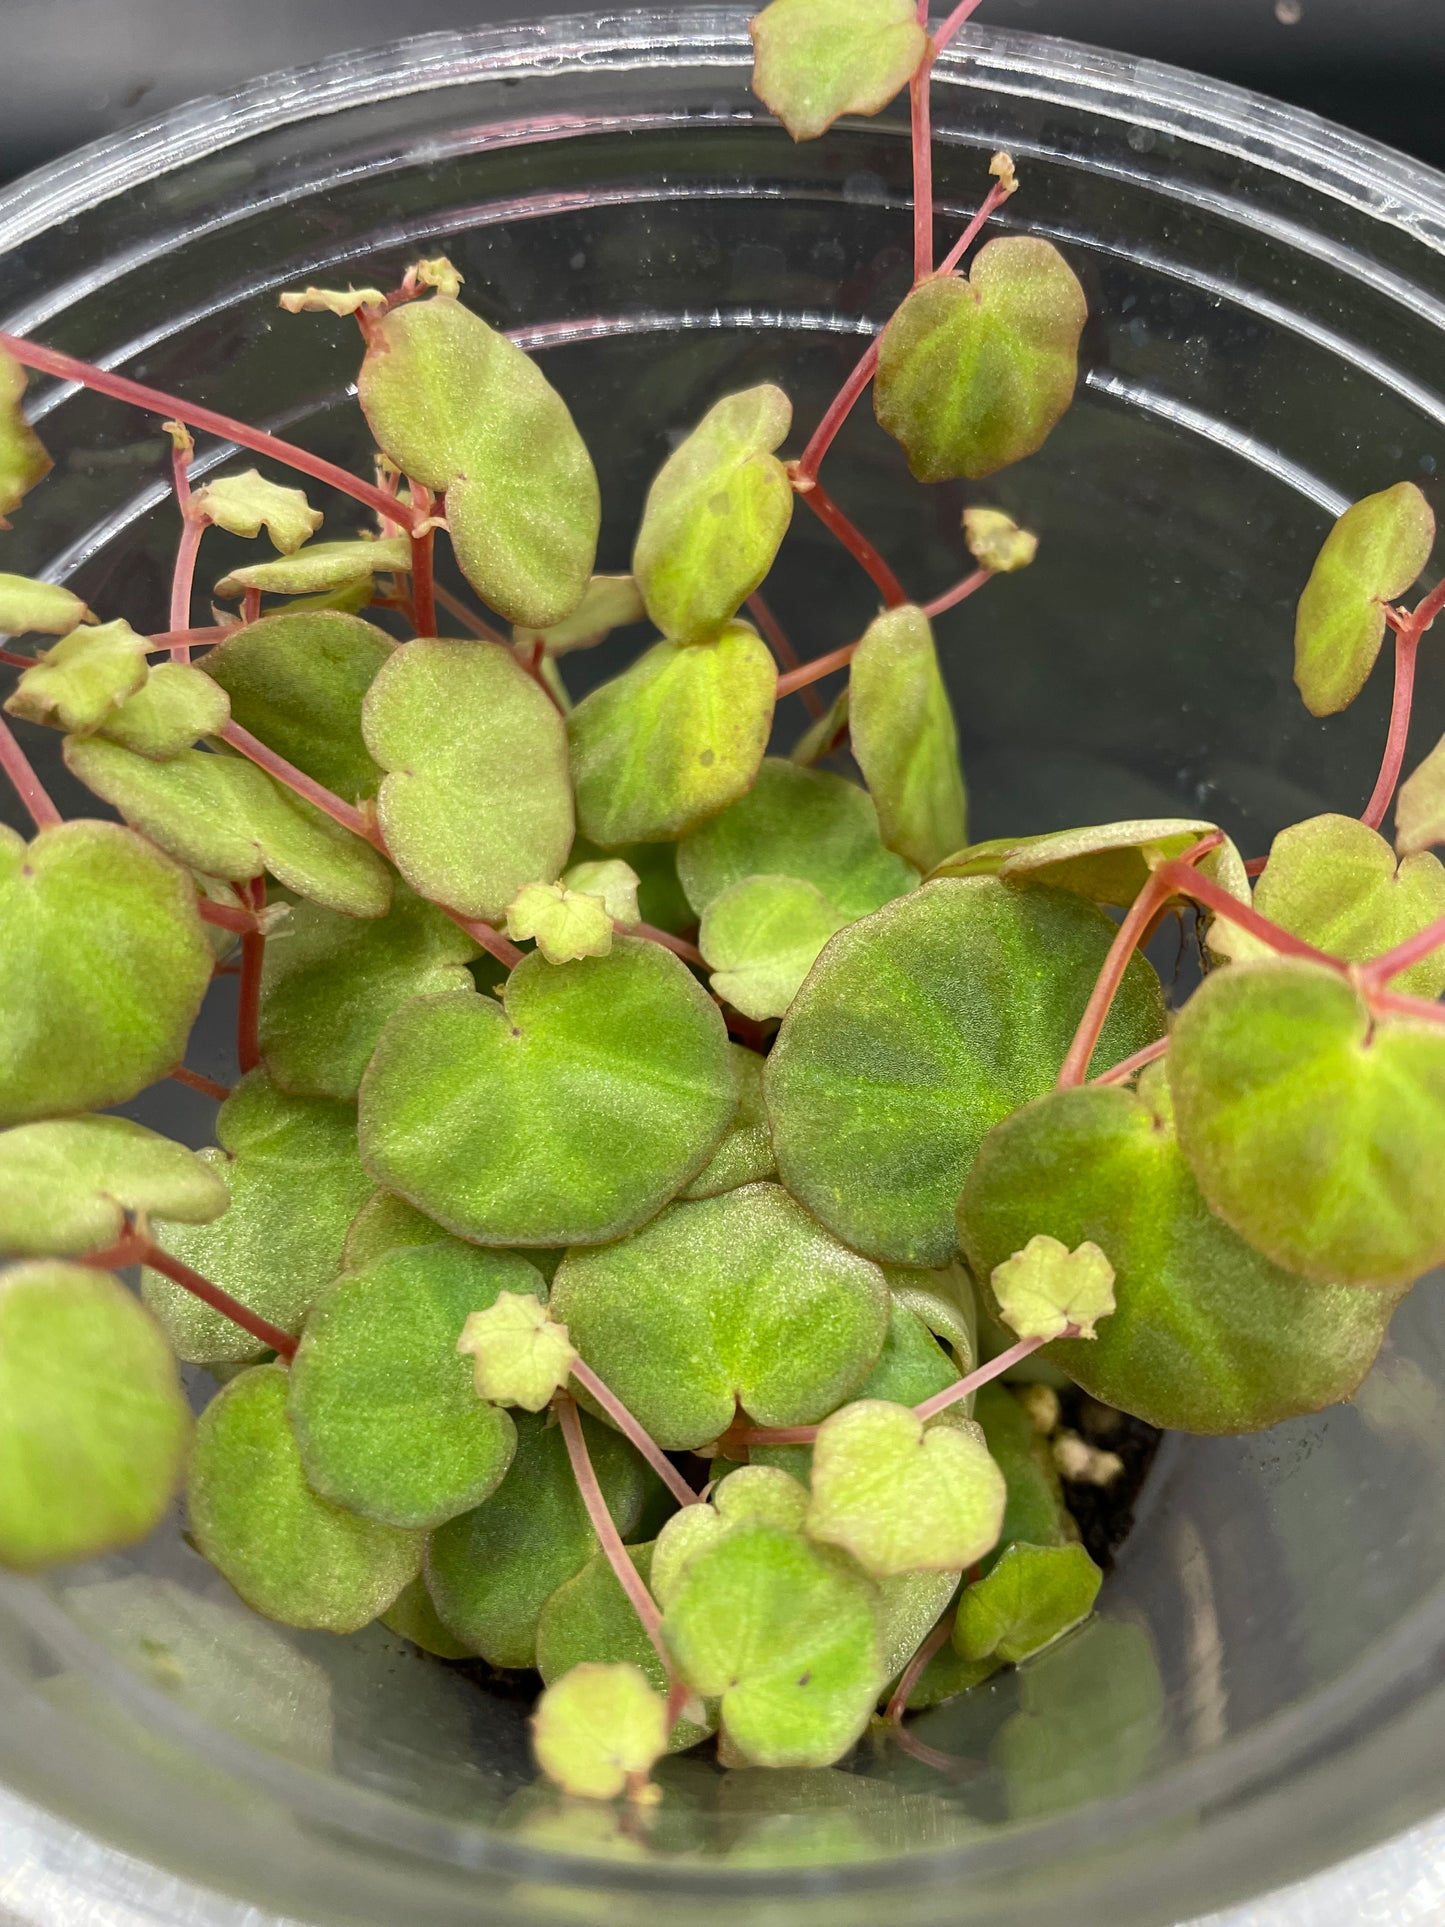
(290, 1555)
(746, 1153)
(1317, 1133)
(1208, 1335)
(975, 371)
(674, 739)
(902, 1496)
(1420, 805)
(461, 409)
(565, 1113)
(221, 815)
(715, 516)
(1336, 882)
(86, 676)
(321, 568)
(174, 707)
(66, 1185)
(921, 1027)
(600, 1730)
(816, 60)
(796, 823)
(492, 1571)
(104, 962)
(23, 460)
(94, 1424)
(1031, 1598)
(760, 939)
(383, 1406)
(330, 983)
(1371, 555)
(44, 608)
(904, 739)
(476, 801)
(297, 681)
(787, 1635)
(246, 503)
(735, 1299)
(296, 1183)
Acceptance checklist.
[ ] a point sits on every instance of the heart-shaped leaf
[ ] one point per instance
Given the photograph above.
(1336, 882)
(1371, 555)
(1208, 1335)
(751, 1493)
(330, 983)
(1315, 1131)
(567, 1113)
(290, 1555)
(383, 1224)
(245, 504)
(94, 1424)
(760, 939)
(492, 1571)
(23, 460)
(67, 1184)
(599, 1731)
(738, 1299)
(520, 1354)
(974, 373)
(609, 602)
(174, 707)
(902, 1496)
(221, 815)
(614, 882)
(796, 823)
(904, 740)
(787, 1635)
(383, 1407)
(1034, 1512)
(321, 568)
(461, 409)
(1043, 1289)
(104, 963)
(1420, 805)
(86, 676)
(674, 739)
(476, 800)
(297, 681)
(917, 1031)
(996, 542)
(746, 1153)
(1032, 1597)
(1109, 862)
(296, 1183)
(44, 608)
(815, 60)
(566, 924)
(715, 516)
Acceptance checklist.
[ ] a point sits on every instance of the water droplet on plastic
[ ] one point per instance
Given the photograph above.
(1288, 13)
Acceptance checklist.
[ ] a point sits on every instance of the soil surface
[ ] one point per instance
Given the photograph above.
(1105, 1514)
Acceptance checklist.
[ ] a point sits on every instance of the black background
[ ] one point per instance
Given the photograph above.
(71, 70)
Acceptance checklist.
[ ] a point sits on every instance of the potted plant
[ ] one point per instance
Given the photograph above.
(542, 1322)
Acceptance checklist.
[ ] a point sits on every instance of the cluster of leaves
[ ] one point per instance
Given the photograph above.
(489, 1233)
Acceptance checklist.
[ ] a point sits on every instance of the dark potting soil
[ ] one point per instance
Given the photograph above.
(1104, 1514)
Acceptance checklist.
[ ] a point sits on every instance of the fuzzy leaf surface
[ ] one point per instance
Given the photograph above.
(568, 1112)
(740, 1298)
(105, 963)
(797, 823)
(919, 1029)
(94, 1425)
(1031, 1598)
(673, 739)
(174, 707)
(715, 516)
(290, 1554)
(491, 1572)
(28, 607)
(1208, 1335)
(476, 801)
(746, 1153)
(320, 568)
(1316, 1133)
(383, 1407)
(1034, 1512)
(566, 924)
(246, 503)
(413, 1616)
(520, 1354)
(23, 460)
(761, 937)
(1371, 555)
(330, 983)
(460, 408)
(975, 372)
(815, 60)
(904, 738)
(1420, 805)
(67, 1184)
(383, 1224)
(1108, 863)
(1043, 1289)
(80, 681)
(599, 1729)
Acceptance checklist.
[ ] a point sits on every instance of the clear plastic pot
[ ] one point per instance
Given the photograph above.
(1262, 1692)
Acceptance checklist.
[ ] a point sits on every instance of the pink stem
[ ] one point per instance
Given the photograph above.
(195, 1081)
(423, 600)
(679, 946)
(985, 1374)
(814, 671)
(633, 1429)
(168, 639)
(776, 637)
(297, 781)
(28, 786)
(855, 542)
(469, 620)
(958, 593)
(1407, 650)
(914, 1670)
(1378, 972)
(610, 1539)
(918, 101)
(182, 581)
(260, 1328)
(506, 952)
(1405, 1006)
(838, 412)
(1215, 897)
(49, 361)
(14, 661)
(952, 24)
(1125, 1069)
(251, 606)
(993, 200)
(241, 922)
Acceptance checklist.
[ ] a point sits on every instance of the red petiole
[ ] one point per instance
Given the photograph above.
(633, 1429)
(28, 786)
(136, 1249)
(1408, 633)
(853, 540)
(197, 1081)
